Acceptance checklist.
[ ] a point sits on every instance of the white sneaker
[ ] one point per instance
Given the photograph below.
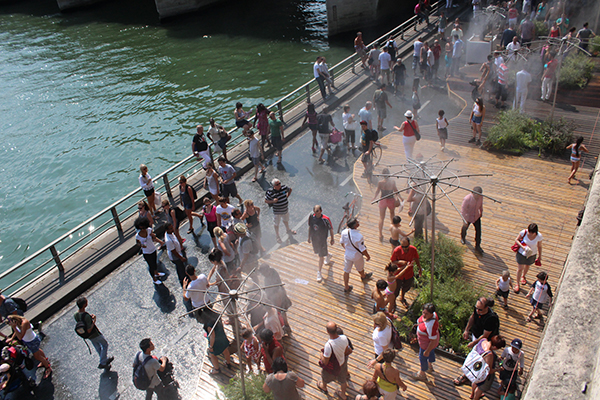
(319, 277)
(328, 259)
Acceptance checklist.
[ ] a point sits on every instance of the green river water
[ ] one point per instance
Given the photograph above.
(87, 96)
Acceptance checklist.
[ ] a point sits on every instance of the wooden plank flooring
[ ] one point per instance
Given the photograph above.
(531, 189)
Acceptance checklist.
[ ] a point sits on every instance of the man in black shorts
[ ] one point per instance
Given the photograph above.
(367, 140)
(319, 226)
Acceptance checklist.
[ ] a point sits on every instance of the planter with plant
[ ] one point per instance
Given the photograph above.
(254, 388)
(453, 296)
(576, 71)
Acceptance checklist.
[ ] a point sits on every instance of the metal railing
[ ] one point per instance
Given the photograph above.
(67, 245)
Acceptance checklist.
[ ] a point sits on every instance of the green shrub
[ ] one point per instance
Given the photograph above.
(594, 47)
(254, 388)
(448, 258)
(513, 133)
(576, 71)
(541, 29)
(553, 137)
(454, 298)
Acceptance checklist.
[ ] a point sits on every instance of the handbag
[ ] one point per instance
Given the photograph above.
(333, 366)
(475, 368)
(396, 340)
(515, 247)
(157, 199)
(336, 136)
(417, 134)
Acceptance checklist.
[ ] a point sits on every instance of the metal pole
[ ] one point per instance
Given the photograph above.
(233, 296)
(307, 87)
(167, 187)
(557, 77)
(115, 216)
(434, 184)
(56, 257)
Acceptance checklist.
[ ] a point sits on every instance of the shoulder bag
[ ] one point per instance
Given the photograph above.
(350, 239)
(396, 341)
(417, 134)
(333, 366)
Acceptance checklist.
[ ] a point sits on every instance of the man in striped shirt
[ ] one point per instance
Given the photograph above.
(278, 199)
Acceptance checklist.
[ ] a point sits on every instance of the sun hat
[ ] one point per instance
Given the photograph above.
(408, 114)
(240, 229)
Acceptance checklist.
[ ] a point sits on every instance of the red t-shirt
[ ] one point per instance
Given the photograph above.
(409, 255)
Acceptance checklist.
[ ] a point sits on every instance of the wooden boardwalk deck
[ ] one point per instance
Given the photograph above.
(531, 190)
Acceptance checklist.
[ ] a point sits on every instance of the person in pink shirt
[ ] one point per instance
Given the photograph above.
(471, 210)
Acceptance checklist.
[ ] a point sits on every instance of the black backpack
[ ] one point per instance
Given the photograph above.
(140, 378)
(81, 326)
(20, 303)
(255, 246)
(179, 214)
(194, 192)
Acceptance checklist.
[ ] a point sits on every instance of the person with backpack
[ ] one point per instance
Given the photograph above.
(23, 332)
(146, 368)
(86, 328)
(483, 354)
(248, 248)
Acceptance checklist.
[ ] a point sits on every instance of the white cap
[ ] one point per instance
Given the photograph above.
(408, 114)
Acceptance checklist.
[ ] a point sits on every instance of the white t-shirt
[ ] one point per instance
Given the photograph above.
(417, 48)
(324, 69)
(381, 338)
(172, 244)
(316, 70)
(384, 60)
(511, 48)
(510, 359)
(349, 126)
(504, 285)
(532, 243)
(498, 61)
(148, 246)
(146, 182)
(197, 298)
(253, 149)
(339, 346)
(441, 123)
(225, 213)
(364, 114)
(351, 253)
(213, 132)
(523, 78)
(430, 58)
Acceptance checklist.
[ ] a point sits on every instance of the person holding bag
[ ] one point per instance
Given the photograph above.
(411, 134)
(528, 246)
(354, 249)
(333, 361)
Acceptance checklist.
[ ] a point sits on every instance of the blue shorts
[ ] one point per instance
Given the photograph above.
(222, 142)
(34, 345)
(477, 120)
(536, 304)
(426, 360)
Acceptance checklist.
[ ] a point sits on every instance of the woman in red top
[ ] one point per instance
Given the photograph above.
(270, 349)
(428, 335)
(409, 128)
(209, 211)
(554, 31)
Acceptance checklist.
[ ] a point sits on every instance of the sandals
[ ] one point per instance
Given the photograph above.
(339, 394)
(191, 230)
(47, 372)
(321, 389)
(523, 281)
(215, 371)
(254, 179)
(404, 303)
(461, 380)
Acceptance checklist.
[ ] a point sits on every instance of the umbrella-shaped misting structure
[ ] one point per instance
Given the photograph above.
(242, 295)
(432, 180)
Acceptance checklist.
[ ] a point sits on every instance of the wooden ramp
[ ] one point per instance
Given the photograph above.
(531, 190)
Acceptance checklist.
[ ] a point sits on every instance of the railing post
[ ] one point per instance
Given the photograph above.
(280, 112)
(332, 75)
(167, 187)
(352, 64)
(115, 216)
(57, 259)
(307, 87)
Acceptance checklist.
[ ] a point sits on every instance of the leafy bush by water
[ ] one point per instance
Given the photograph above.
(254, 390)
(576, 71)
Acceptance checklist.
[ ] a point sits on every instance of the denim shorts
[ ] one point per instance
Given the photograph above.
(34, 345)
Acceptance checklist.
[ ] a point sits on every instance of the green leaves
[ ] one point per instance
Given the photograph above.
(254, 388)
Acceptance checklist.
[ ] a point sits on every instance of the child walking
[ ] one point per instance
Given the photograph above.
(503, 286)
(540, 292)
(442, 129)
(251, 349)
(396, 231)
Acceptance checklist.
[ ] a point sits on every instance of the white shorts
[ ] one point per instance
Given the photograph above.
(388, 395)
(324, 139)
(359, 264)
(277, 218)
